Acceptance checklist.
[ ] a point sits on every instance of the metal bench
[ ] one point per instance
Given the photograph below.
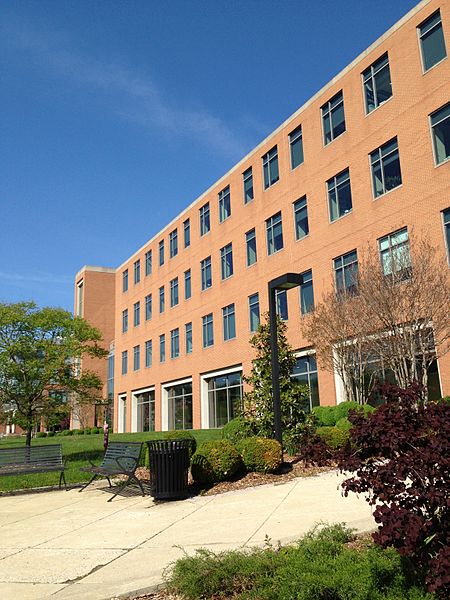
(121, 458)
(32, 459)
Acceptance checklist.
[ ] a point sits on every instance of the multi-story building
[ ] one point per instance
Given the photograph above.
(364, 161)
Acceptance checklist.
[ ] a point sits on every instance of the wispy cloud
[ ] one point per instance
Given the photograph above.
(39, 277)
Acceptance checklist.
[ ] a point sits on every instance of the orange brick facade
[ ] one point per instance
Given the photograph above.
(418, 204)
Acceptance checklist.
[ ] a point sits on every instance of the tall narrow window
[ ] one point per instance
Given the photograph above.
(187, 285)
(339, 195)
(80, 288)
(161, 253)
(125, 280)
(224, 398)
(148, 353)
(281, 304)
(175, 343)
(206, 274)
(137, 271)
(346, 273)
(250, 240)
(306, 293)
(385, 164)
(124, 362)
(229, 322)
(161, 299)
(226, 261)
(247, 177)
(446, 222)
(377, 83)
(208, 331)
(136, 358)
(188, 337)
(180, 406)
(305, 373)
(174, 292)
(125, 320)
(301, 218)
(394, 254)
(296, 147)
(270, 167)
(224, 204)
(148, 262)
(333, 118)
(148, 307)
(173, 243)
(440, 128)
(432, 42)
(187, 233)
(205, 223)
(136, 314)
(253, 312)
(274, 228)
(162, 348)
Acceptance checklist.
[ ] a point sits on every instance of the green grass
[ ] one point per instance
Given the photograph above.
(77, 450)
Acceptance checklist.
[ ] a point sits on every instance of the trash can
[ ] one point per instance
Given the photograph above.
(169, 466)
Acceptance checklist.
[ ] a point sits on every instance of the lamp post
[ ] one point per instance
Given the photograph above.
(284, 282)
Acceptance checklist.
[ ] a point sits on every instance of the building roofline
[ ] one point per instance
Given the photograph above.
(95, 270)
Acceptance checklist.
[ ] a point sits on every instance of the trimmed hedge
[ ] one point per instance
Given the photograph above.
(262, 455)
(328, 416)
(182, 434)
(333, 437)
(215, 461)
(41, 434)
(236, 430)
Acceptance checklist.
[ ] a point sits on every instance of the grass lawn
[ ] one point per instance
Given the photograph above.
(77, 449)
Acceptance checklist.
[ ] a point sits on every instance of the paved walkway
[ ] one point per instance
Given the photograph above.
(67, 545)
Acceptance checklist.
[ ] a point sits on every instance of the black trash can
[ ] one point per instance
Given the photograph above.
(169, 466)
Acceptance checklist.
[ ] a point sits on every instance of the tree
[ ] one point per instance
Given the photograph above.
(39, 350)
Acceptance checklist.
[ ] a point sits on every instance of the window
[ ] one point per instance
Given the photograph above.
(148, 307)
(247, 177)
(188, 334)
(377, 83)
(385, 164)
(394, 254)
(174, 292)
(80, 286)
(446, 221)
(162, 348)
(333, 118)
(229, 322)
(253, 311)
(224, 204)
(339, 195)
(148, 353)
(205, 224)
(187, 233)
(136, 314)
(145, 404)
(161, 299)
(175, 343)
(180, 406)
(136, 358)
(124, 362)
(346, 273)
(301, 218)
(187, 285)
(125, 320)
(432, 43)
(161, 253)
(206, 274)
(125, 280)
(208, 332)
(224, 398)
(250, 239)
(281, 304)
(226, 261)
(274, 228)
(296, 147)
(270, 167)
(306, 293)
(305, 373)
(137, 271)
(173, 243)
(440, 128)
(148, 262)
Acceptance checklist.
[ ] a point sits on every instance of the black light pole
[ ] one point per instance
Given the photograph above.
(284, 282)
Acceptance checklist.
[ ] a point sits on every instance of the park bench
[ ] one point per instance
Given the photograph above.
(32, 459)
(121, 458)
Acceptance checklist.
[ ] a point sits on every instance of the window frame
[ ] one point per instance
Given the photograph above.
(148, 307)
(250, 306)
(373, 72)
(136, 357)
(308, 272)
(175, 343)
(137, 271)
(272, 237)
(162, 299)
(353, 288)
(381, 158)
(208, 326)
(336, 186)
(174, 292)
(229, 322)
(124, 320)
(432, 134)
(419, 39)
(250, 236)
(267, 160)
(148, 263)
(296, 135)
(137, 313)
(226, 261)
(148, 353)
(224, 199)
(125, 282)
(204, 219)
(246, 176)
(205, 267)
(173, 243)
(187, 288)
(188, 337)
(162, 348)
(187, 232)
(161, 252)
(406, 243)
(296, 210)
(326, 109)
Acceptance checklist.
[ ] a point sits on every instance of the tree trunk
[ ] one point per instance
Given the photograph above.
(28, 439)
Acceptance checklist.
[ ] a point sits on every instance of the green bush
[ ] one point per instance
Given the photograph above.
(344, 424)
(182, 434)
(328, 416)
(96, 430)
(87, 431)
(325, 415)
(50, 434)
(259, 454)
(215, 461)
(333, 437)
(66, 432)
(237, 429)
(78, 431)
(41, 434)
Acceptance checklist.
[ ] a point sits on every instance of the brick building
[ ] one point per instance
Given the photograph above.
(365, 160)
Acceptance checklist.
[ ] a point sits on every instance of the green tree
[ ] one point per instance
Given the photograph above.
(39, 353)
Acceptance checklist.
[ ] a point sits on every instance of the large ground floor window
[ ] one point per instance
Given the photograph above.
(180, 406)
(305, 372)
(145, 407)
(224, 398)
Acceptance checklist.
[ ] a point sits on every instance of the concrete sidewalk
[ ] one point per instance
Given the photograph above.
(67, 545)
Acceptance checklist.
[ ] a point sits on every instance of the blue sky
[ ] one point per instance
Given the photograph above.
(115, 115)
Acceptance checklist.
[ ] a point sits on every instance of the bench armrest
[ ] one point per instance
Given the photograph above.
(121, 466)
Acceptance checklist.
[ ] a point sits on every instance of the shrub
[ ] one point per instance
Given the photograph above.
(325, 415)
(328, 416)
(403, 461)
(95, 430)
(182, 434)
(259, 454)
(87, 431)
(66, 432)
(334, 437)
(315, 452)
(344, 424)
(50, 434)
(41, 434)
(78, 431)
(215, 461)
(237, 429)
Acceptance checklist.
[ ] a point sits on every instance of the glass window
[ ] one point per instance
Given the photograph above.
(145, 404)
(125, 280)
(175, 343)
(136, 358)
(432, 43)
(305, 372)
(385, 164)
(187, 285)
(205, 224)
(180, 406)
(274, 228)
(281, 304)
(339, 195)
(208, 332)
(80, 297)
(188, 333)
(377, 83)
(229, 322)
(224, 398)
(346, 273)
(136, 314)
(162, 348)
(226, 261)
(148, 307)
(250, 239)
(125, 320)
(161, 299)
(446, 221)
(306, 293)
(124, 362)
(333, 118)
(137, 271)
(148, 262)
(253, 311)
(173, 243)
(301, 218)
(174, 292)
(440, 128)
(161, 253)
(148, 353)
(296, 147)
(206, 273)
(247, 177)
(224, 204)
(394, 254)
(187, 233)
(270, 167)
